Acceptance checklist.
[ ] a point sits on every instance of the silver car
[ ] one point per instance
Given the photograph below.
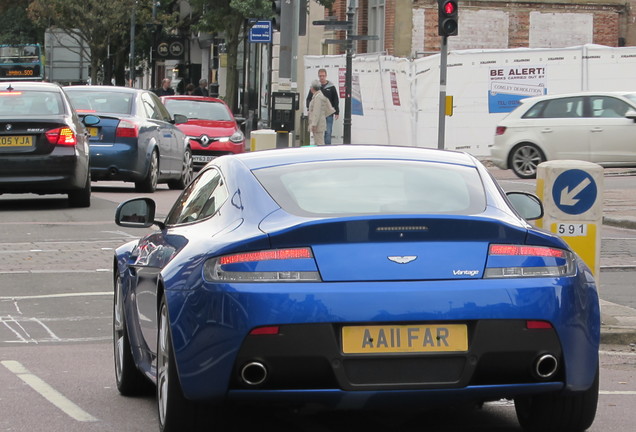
(598, 127)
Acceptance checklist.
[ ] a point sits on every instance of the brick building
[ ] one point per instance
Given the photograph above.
(408, 28)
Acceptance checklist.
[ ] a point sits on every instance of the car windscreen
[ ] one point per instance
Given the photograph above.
(341, 188)
(30, 103)
(198, 110)
(86, 101)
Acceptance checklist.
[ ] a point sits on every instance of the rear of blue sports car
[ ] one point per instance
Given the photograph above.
(378, 279)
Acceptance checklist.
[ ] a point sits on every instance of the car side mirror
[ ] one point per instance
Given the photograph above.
(137, 213)
(180, 119)
(631, 114)
(526, 204)
(91, 120)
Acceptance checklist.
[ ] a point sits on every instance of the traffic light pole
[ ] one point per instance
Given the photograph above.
(346, 135)
(441, 128)
(285, 60)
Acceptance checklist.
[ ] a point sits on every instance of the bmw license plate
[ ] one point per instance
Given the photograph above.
(16, 141)
(417, 338)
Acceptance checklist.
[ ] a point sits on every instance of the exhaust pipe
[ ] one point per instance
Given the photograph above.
(254, 373)
(545, 366)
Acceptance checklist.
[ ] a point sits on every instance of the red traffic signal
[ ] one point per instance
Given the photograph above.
(448, 17)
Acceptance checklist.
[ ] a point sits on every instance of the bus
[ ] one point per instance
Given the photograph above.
(21, 62)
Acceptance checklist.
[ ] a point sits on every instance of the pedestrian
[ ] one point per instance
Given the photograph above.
(331, 93)
(189, 90)
(319, 110)
(202, 90)
(165, 89)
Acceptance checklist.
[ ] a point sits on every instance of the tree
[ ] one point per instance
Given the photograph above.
(229, 18)
(104, 26)
(15, 25)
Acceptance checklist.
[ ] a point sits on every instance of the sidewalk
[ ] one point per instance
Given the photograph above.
(618, 323)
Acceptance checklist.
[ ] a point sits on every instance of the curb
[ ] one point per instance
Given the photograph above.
(618, 324)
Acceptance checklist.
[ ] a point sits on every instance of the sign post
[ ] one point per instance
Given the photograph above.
(572, 195)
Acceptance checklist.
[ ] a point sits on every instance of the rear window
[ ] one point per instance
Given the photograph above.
(30, 102)
(374, 187)
(101, 102)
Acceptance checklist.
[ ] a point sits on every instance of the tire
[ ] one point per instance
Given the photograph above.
(187, 172)
(176, 413)
(558, 412)
(81, 197)
(130, 380)
(149, 184)
(524, 160)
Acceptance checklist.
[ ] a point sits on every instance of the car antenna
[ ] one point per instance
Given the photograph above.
(9, 88)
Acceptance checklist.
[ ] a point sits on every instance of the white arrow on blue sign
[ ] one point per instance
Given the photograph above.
(574, 191)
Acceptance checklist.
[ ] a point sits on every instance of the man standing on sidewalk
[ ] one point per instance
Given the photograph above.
(331, 93)
(320, 109)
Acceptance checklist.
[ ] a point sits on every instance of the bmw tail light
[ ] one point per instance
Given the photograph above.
(61, 136)
(508, 260)
(500, 130)
(275, 265)
(127, 129)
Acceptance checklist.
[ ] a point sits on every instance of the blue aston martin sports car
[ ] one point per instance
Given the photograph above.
(353, 277)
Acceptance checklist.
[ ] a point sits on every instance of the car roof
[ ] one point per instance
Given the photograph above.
(576, 94)
(275, 157)
(102, 88)
(28, 85)
(194, 98)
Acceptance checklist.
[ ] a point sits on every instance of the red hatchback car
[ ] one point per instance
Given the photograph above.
(211, 127)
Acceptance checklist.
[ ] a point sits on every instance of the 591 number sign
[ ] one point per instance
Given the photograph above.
(571, 229)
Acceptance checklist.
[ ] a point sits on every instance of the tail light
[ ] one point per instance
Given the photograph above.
(127, 129)
(61, 136)
(507, 261)
(275, 265)
(500, 130)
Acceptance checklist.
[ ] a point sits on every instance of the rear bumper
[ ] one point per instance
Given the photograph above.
(211, 325)
(61, 171)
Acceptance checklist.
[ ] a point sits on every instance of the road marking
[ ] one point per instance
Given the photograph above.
(611, 392)
(63, 295)
(48, 392)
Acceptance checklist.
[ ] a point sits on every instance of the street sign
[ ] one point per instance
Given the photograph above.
(574, 191)
(261, 32)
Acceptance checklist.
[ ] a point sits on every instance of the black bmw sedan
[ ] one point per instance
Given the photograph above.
(43, 143)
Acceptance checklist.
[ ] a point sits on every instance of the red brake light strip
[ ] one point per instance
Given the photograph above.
(276, 254)
(502, 249)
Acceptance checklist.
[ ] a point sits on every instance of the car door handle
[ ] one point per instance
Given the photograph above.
(597, 129)
(546, 130)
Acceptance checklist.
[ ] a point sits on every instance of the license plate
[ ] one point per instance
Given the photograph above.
(199, 158)
(417, 338)
(92, 131)
(16, 141)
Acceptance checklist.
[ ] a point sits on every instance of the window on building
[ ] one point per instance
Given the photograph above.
(376, 25)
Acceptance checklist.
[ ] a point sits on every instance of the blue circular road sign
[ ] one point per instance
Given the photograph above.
(574, 191)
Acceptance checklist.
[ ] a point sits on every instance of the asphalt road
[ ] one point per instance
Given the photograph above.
(56, 366)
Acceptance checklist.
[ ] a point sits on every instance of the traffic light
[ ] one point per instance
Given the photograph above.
(448, 17)
(276, 9)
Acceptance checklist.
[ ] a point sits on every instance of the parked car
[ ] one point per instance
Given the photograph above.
(43, 143)
(211, 127)
(598, 127)
(353, 277)
(135, 140)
